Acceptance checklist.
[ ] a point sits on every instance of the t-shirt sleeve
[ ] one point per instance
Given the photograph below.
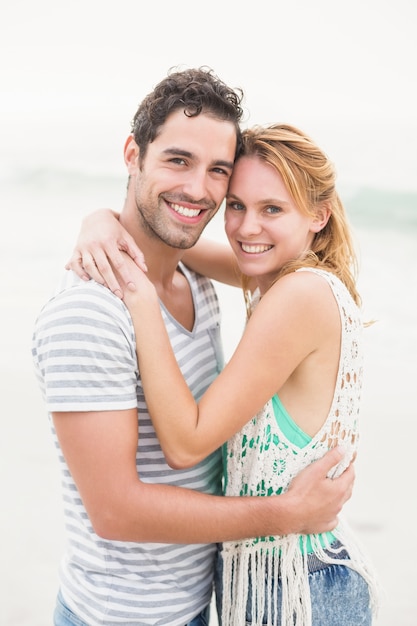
(84, 352)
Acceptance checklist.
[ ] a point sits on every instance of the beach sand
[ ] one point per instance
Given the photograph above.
(382, 510)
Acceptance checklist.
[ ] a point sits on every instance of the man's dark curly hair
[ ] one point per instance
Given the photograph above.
(194, 91)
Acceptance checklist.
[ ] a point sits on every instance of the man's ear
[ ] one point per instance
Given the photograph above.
(131, 154)
(323, 213)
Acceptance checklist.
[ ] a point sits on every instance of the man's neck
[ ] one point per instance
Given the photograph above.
(170, 283)
(161, 259)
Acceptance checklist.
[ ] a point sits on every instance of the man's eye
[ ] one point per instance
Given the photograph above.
(220, 170)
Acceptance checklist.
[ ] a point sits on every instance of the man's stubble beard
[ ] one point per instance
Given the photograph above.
(156, 229)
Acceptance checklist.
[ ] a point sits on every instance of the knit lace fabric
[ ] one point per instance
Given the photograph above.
(261, 461)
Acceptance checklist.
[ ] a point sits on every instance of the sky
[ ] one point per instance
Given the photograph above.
(72, 74)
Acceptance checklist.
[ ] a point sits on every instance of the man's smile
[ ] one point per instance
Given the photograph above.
(185, 211)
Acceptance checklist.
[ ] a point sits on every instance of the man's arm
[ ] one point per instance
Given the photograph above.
(100, 449)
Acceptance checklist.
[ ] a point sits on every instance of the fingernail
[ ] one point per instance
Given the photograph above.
(118, 293)
(131, 286)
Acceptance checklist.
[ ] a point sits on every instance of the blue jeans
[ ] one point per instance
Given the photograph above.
(63, 616)
(339, 596)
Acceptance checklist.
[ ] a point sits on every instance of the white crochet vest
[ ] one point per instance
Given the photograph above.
(262, 461)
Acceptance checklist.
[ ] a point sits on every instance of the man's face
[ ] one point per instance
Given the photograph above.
(184, 177)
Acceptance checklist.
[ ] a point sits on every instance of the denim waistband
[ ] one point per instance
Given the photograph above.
(314, 564)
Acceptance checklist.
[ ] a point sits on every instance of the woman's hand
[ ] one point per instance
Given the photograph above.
(99, 251)
(141, 299)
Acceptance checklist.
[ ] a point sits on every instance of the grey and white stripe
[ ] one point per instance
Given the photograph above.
(85, 359)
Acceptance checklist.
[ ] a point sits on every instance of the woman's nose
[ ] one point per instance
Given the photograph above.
(250, 224)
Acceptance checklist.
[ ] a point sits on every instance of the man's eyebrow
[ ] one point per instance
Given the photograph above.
(185, 153)
(177, 152)
(228, 164)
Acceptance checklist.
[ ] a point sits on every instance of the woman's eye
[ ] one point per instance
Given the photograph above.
(273, 209)
(235, 206)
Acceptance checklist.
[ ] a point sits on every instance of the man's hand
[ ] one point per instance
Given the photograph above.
(319, 499)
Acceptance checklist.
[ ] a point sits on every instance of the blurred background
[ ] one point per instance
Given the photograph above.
(71, 77)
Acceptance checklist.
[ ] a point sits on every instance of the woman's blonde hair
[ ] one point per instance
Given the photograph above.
(310, 177)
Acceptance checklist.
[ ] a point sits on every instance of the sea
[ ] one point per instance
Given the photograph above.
(42, 208)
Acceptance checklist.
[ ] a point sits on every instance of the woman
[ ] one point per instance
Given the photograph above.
(297, 369)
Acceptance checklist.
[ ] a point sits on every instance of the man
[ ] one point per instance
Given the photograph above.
(141, 536)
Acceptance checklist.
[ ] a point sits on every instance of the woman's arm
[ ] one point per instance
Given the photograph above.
(214, 260)
(102, 239)
(287, 322)
(98, 250)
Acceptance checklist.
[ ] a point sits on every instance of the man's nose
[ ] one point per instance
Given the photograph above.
(196, 185)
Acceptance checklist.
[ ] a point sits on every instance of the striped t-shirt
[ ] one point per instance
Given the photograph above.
(85, 359)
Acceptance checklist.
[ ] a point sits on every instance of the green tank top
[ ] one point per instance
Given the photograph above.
(299, 438)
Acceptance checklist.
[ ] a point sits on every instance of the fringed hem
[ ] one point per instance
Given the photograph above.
(251, 574)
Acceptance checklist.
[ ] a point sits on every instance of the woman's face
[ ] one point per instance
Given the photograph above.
(263, 224)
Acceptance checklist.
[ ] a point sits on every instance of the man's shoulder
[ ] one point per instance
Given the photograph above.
(73, 295)
(70, 286)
